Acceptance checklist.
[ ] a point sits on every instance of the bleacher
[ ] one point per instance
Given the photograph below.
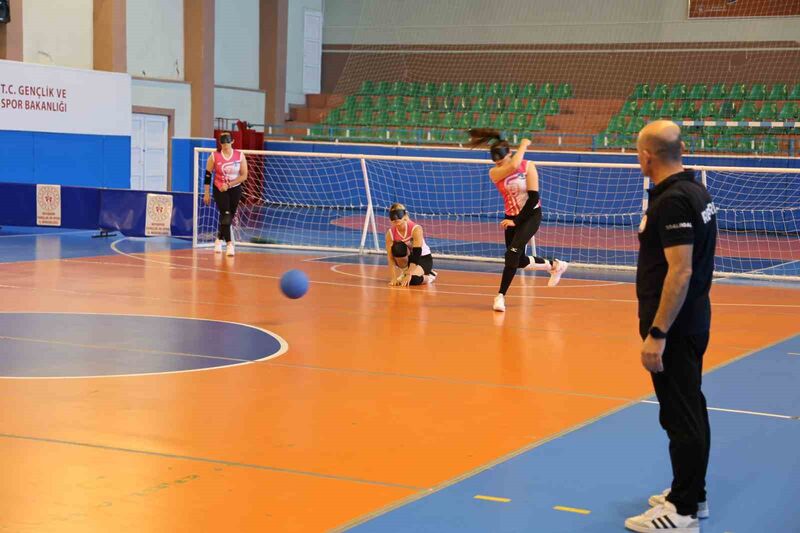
(716, 118)
(430, 113)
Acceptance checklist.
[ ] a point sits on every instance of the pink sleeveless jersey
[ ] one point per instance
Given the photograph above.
(407, 237)
(514, 189)
(226, 170)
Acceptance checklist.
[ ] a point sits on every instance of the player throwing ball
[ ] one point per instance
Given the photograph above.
(518, 183)
(406, 251)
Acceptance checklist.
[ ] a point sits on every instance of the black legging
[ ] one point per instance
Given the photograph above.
(517, 238)
(227, 202)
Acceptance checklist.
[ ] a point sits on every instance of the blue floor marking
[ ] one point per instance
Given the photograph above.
(611, 467)
(75, 345)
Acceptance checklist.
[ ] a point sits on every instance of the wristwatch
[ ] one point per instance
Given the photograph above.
(657, 333)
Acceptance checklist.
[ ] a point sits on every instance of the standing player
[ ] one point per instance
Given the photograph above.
(407, 251)
(518, 183)
(230, 171)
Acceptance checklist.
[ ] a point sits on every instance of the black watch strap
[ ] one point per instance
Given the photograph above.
(657, 333)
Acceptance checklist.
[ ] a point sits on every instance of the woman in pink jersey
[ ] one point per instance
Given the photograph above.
(230, 171)
(518, 183)
(407, 250)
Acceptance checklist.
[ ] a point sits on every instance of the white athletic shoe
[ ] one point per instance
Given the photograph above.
(663, 518)
(229, 250)
(218, 246)
(660, 499)
(559, 267)
(430, 278)
(499, 303)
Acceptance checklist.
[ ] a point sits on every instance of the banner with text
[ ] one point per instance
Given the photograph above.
(159, 215)
(48, 205)
(64, 100)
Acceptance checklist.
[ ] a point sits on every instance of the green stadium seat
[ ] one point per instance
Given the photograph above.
(616, 124)
(726, 143)
(444, 89)
(520, 122)
(484, 120)
(447, 120)
(364, 102)
(768, 145)
(429, 120)
(414, 88)
(769, 111)
(678, 92)
(698, 91)
(479, 105)
(667, 110)
(708, 110)
(478, 90)
(511, 90)
(461, 89)
(794, 94)
(367, 87)
(382, 102)
(429, 89)
(332, 117)
(789, 111)
(502, 121)
(381, 117)
(635, 125)
(551, 108)
(397, 103)
(738, 92)
(537, 123)
(727, 110)
(316, 133)
(641, 91)
(412, 119)
(780, 91)
(746, 145)
(660, 92)
(545, 90)
(350, 102)
(757, 92)
(348, 117)
(364, 118)
(495, 104)
(494, 90)
(383, 87)
(398, 118)
(686, 111)
(368, 134)
(747, 111)
(401, 135)
(424, 102)
(630, 108)
(564, 90)
(533, 106)
(455, 137)
(466, 120)
(515, 106)
(529, 91)
(718, 92)
(648, 108)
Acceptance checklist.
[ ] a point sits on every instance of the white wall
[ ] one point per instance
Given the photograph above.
(169, 95)
(538, 21)
(58, 32)
(242, 105)
(155, 38)
(294, 49)
(236, 46)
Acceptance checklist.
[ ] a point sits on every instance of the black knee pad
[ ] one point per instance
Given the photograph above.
(417, 280)
(226, 219)
(512, 257)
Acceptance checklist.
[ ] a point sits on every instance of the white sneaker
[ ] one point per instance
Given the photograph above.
(430, 278)
(559, 267)
(660, 499)
(663, 518)
(229, 250)
(499, 303)
(218, 246)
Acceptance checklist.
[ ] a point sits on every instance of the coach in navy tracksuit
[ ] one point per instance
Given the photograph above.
(677, 238)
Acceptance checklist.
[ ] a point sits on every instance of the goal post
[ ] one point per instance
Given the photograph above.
(591, 211)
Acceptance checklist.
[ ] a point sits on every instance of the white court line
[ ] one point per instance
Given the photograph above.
(53, 234)
(284, 346)
(739, 411)
(379, 287)
(335, 268)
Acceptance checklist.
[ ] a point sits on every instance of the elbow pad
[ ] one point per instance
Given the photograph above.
(207, 180)
(416, 253)
(528, 209)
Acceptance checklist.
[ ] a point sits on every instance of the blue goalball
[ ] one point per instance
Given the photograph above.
(294, 284)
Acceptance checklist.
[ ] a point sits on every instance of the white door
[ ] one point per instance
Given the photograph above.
(149, 140)
(312, 51)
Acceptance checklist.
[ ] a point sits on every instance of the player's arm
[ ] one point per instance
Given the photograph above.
(676, 285)
(207, 180)
(503, 171)
(242, 173)
(413, 259)
(390, 259)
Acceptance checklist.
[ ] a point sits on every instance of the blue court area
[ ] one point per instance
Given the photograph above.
(604, 472)
(54, 345)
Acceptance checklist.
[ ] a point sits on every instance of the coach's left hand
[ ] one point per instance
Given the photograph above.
(652, 350)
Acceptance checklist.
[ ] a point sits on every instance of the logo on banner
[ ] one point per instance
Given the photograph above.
(159, 215)
(48, 205)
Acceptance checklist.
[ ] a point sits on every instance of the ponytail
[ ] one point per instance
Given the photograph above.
(498, 147)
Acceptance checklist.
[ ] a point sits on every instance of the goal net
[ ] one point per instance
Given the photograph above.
(591, 211)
